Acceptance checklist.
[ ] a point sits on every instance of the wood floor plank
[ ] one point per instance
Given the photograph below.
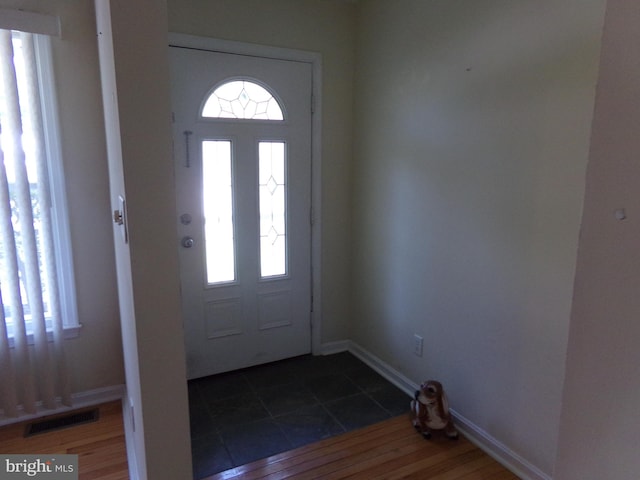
(408, 466)
(488, 472)
(337, 465)
(464, 469)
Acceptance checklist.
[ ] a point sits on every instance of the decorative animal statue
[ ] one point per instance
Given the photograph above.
(430, 411)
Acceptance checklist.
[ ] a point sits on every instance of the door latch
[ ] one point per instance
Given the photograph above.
(118, 218)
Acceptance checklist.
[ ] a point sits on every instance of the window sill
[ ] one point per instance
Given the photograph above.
(69, 332)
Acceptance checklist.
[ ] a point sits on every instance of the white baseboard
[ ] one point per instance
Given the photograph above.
(384, 369)
(490, 445)
(85, 399)
(97, 396)
(334, 347)
(496, 449)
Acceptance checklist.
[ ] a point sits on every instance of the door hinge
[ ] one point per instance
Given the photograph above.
(313, 104)
(173, 117)
(312, 217)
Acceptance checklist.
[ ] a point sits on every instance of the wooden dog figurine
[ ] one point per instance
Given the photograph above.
(430, 411)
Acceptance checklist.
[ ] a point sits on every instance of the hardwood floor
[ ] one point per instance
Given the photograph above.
(388, 450)
(100, 445)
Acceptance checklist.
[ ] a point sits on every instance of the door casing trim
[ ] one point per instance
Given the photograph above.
(315, 215)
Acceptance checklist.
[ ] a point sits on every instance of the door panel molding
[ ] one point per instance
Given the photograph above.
(227, 314)
(274, 309)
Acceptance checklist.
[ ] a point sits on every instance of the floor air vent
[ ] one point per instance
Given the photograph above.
(58, 423)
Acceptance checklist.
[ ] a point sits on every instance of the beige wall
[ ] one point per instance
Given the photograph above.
(472, 135)
(599, 433)
(96, 355)
(324, 26)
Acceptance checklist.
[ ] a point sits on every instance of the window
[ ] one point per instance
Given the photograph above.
(36, 272)
(272, 178)
(217, 188)
(242, 99)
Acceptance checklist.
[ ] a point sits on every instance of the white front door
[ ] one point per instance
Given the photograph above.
(242, 149)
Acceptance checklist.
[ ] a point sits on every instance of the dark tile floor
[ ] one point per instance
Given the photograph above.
(241, 416)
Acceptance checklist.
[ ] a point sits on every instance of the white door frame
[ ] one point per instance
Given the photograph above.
(315, 60)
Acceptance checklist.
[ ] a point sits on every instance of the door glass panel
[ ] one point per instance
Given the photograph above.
(217, 193)
(273, 228)
(242, 99)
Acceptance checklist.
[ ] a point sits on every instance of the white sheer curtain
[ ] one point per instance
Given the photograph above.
(32, 369)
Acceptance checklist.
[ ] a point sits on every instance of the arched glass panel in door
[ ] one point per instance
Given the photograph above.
(242, 99)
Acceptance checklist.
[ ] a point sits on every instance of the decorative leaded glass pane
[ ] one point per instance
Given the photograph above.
(273, 228)
(242, 99)
(218, 210)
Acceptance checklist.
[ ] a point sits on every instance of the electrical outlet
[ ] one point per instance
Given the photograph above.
(418, 342)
